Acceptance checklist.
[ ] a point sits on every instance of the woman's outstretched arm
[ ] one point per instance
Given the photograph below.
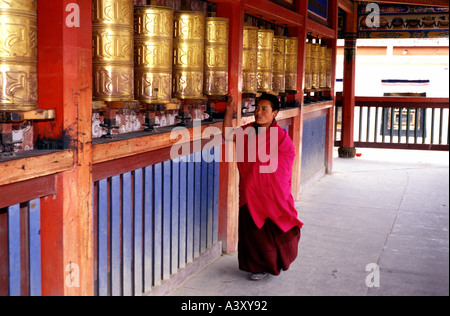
(227, 130)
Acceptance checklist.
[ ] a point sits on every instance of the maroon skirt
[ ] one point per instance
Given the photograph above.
(265, 250)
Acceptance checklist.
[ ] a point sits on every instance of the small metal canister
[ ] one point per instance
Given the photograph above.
(308, 79)
(216, 56)
(113, 66)
(18, 55)
(250, 60)
(291, 63)
(265, 60)
(153, 49)
(189, 44)
(323, 66)
(279, 65)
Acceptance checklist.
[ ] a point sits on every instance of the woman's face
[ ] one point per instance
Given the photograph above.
(264, 115)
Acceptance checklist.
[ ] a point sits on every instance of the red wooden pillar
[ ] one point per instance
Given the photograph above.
(347, 149)
(65, 84)
(296, 130)
(331, 114)
(229, 192)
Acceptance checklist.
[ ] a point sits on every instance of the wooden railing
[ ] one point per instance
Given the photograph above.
(150, 222)
(25, 180)
(398, 122)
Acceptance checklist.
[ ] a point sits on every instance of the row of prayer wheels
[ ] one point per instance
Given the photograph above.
(18, 55)
(153, 54)
(269, 62)
(318, 65)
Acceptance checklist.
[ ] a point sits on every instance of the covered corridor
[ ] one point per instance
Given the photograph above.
(94, 201)
(387, 207)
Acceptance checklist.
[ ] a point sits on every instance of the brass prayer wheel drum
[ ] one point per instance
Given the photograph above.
(323, 66)
(291, 63)
(279, 64)
(315, 65)
(113, 57)
(153, 54)
(189, 44)
(18, 55)
(250, 60)
(329, 66)
(216, 56)
(308, 78)
(265, 60)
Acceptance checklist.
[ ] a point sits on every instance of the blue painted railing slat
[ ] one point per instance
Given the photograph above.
(34, 234)
(158, 218)
(14, 250)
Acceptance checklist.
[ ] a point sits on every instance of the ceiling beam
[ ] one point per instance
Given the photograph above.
(346, 5)
(432, 3)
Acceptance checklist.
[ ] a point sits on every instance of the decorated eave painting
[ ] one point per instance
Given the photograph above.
(289, 4)
(319, 9)
(405, 21)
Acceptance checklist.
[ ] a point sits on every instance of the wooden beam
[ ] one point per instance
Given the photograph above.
(282, 115)
(413, 102)
(30, 190)
(108, 151)
(431, 3)
(17, 170)
(271, 11)
(346, 5)
(318, 29)
(17, 117)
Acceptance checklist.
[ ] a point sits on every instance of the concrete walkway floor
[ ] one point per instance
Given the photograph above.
(387, 209)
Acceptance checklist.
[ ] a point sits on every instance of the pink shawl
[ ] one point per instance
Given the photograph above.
(265, 184)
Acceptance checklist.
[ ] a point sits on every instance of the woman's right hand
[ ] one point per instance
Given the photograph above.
(230, 103)
(228, 119)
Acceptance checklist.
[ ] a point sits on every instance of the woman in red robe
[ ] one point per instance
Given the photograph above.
(269, 228)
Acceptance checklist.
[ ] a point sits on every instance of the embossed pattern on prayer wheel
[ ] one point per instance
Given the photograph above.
(189, 44)
(265, 60)
(308, 66)
(18, 55)
(250, 60)
(291, 63)
(153, 59)
(113, 57)
(279, 64)
(315, 65)
(323, 66)
(329, 66)
(216, 56)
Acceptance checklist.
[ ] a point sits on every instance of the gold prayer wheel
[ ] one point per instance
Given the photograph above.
(250, 60)
(291, 63)
(315, 65)
(279, 64)
(18, 55)
(153, 54)
(265, 60)
(308, 66)
(329, 66)
(216, 56)
(189, 44)
(113, 65)
(323, 66)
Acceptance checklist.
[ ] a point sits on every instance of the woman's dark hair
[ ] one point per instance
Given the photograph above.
(272, 99)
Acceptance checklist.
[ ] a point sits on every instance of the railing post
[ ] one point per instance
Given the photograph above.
(228, 208)
(65, 84)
